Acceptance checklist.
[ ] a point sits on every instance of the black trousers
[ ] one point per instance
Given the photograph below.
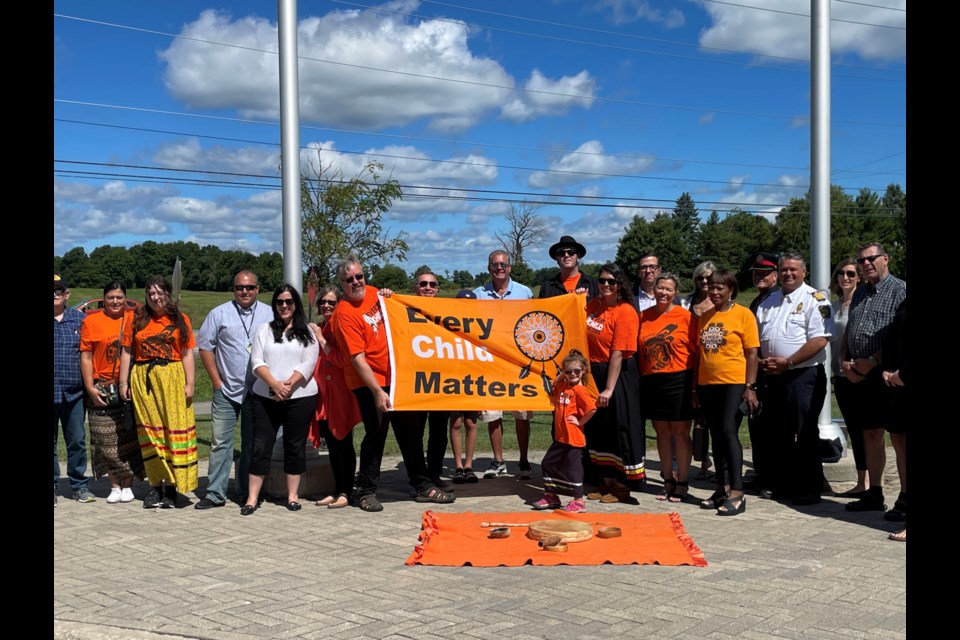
(436, 440)
(343, 459)
(842, 389)
(761, 439)
(268, 415)
(794, 400)
(721, 412)
(406, 429)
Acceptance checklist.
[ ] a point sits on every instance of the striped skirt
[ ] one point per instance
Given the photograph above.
(114, 447)
(562, 468)
(166, 427)
(616, 437)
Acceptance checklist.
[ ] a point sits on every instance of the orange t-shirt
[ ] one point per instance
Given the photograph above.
(159, 339)
(611, 329)
(667, 341)
(571, 401)
(100, 334)
(570, 284)
(723, 338)
(359, 328)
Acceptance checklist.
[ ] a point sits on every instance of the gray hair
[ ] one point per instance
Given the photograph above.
(666, 275)
(786, 255)
(880, 248)
(703, 266)
(499, 252)
(344, 264)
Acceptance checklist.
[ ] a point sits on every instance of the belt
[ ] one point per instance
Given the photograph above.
(155, 362)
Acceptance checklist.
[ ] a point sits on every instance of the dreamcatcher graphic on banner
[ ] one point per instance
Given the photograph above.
(539, 336)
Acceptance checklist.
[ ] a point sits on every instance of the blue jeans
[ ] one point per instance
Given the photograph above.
(70, 415)
(224, 413)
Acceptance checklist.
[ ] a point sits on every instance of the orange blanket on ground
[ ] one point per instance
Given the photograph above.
(457, 539)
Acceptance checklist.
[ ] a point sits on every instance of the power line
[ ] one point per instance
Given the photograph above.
(874, 6)
(453, 162)
(423, 76)
(804, 69)
(805, 15)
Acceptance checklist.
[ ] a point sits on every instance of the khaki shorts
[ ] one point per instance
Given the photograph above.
(490, 416)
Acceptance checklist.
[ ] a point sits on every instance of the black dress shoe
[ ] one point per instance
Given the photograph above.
(207, 503)
(247, 509)
(294, 506)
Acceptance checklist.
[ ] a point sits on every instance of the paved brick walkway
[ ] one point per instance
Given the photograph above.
(774, 572)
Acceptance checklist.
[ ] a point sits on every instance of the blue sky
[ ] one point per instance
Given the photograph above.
(615, 106)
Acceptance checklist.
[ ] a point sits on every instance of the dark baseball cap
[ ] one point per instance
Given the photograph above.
(466, 293)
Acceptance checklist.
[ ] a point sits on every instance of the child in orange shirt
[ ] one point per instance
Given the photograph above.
(562, 465)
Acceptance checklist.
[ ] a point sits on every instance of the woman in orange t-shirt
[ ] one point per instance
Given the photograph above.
(726, 378)
(114, 449)
(615, 437)
(160, 382)
(668, 355)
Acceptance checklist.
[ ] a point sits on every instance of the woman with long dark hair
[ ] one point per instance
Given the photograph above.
(114, 449)
(283, 358)
(616, 438)
(161, 384)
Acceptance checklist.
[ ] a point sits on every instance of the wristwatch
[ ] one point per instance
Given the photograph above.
(752, 385)
(873, 361)
(790, 365)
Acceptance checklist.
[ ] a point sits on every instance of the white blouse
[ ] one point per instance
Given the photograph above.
(282, 359)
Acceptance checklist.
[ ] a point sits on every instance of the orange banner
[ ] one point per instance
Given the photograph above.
(456, 354)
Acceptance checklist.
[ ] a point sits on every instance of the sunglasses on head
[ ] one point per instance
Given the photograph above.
(285, 302)
(610, 281)
(428, 284)
(849, 274)
(245, 287)
(566, 252)
(354, 278)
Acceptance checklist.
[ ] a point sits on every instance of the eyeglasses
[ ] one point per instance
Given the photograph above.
(566, 252)
(870, 259)
(329, 303)
(649, 267)
(246, 287)
(354, 278)
(609, 281)
(285, 302)
(427, 284)
(849, 274)
(573, 372)
(499, 265)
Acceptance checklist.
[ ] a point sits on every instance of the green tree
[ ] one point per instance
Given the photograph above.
(113, 263)
(389, 276)
(463, 279)
(686, 218)
(74, 267)
(340, 217)
(659, 236)
(894, 204)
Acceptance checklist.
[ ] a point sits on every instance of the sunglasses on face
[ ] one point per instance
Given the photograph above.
(566, 252)
(354, 278)
(609, 281)
(499, 265)
(329, 303)
(573, 372)
(870, 259)
(58, 292)
(849, 274)
(285, 302)
(427, 284)
(246, 287)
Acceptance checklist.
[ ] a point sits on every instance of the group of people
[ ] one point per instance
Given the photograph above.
(705, 362)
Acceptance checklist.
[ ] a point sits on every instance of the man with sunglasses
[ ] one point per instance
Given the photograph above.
(361, 334)
(872, 310)
(427, 284)
(225, 342)
(502, 287)
(568, 253)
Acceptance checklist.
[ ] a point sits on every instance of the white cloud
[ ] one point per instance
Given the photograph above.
(706, 118)
(764, 199)
(588, 159)
(189, 154)
(211, 76)
(749, 28)
(627, 11)
(550, 97)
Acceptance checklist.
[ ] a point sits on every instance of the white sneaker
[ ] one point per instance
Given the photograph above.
(115, 495)
(126, 494)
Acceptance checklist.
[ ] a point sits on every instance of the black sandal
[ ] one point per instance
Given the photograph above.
(669, 486)
(727, 508)
(435, 495)
(715, 500)
(678, 497)
(370, 503)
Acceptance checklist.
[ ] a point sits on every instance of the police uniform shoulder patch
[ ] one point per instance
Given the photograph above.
(819, 297)
(825, 311)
